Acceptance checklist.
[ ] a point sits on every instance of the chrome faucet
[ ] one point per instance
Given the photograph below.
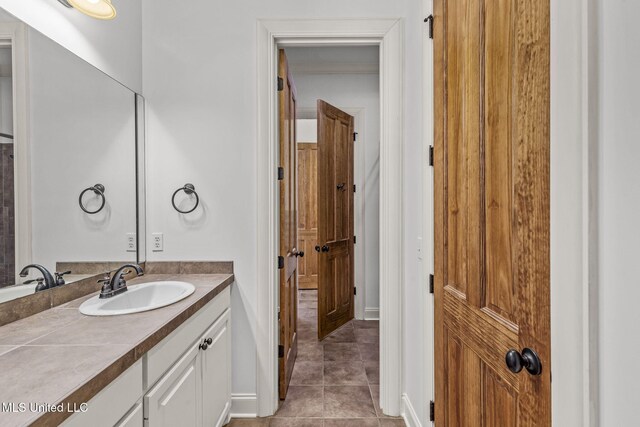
(115, 285)
(47, 281)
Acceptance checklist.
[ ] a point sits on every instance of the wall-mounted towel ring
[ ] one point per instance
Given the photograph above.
(189, 189)
(98, 189)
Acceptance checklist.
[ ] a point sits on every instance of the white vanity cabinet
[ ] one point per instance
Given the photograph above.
(184, 380)
(197, 389)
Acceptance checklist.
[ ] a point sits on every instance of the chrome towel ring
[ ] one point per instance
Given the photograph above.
(188, 189)
(98, 189)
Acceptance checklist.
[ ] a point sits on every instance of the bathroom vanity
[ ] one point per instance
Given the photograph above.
(165, 367)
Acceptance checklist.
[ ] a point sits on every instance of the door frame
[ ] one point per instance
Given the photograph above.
(16, 33)
(389, 35)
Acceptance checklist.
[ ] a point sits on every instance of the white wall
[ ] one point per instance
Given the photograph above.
(82, 128)
(619, 210)
(200, 84)
(113, 46)
(350, 92)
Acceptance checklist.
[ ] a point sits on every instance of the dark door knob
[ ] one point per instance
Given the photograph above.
(300, 254)
(317, 248)
(325, 248)
(528, 359)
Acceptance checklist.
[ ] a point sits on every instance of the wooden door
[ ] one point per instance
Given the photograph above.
(308, 214)
(492, 212)
(335, 218)
(288, 226)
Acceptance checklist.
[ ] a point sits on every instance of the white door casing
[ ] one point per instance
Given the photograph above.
(388, 34)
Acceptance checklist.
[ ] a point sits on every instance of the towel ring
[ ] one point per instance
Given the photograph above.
(98, 189)
(188, 189)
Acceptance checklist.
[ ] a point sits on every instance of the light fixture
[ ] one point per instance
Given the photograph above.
(100, 9)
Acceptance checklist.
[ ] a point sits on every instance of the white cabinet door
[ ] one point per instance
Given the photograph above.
(216, 372)
(176, 398)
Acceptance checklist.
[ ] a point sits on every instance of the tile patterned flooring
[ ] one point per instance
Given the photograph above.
(335, 382)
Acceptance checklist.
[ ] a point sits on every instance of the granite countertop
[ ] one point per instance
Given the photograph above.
(62, 356)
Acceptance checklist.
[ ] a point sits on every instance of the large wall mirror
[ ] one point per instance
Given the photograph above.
(71, 166)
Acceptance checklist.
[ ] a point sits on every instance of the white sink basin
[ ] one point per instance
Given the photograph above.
(138, 298)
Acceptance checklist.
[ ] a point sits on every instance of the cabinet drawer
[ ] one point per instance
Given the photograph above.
(161, 357)
(113, 402)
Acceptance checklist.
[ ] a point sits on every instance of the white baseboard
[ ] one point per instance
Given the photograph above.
(371, 313)
(409, 413)
(244, 405)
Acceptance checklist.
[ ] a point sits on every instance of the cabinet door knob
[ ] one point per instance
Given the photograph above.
(209, 341)
(204, 346)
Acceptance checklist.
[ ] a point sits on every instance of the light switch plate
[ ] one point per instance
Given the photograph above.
(158, 242)
(131, 242)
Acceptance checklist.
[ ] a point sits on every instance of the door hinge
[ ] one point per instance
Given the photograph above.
(431, 280)
(354, 188)
(431, 155)
(429, 21)
(280, 173)
(354, 240)
(355, 291)
(280, 351)
(280, 262)
(355, 135)
(432, 411)
(280, 84)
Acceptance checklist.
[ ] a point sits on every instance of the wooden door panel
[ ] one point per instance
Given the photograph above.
(308, 215)
(308, 265)
(491, 210)
(335, 218)
(477, 395)
(288, 322)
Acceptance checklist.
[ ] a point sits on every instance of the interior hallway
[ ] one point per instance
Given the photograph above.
(335, 382)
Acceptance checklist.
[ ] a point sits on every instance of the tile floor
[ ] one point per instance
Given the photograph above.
(335, 383)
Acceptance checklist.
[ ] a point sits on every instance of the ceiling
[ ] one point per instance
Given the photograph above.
(334, 60)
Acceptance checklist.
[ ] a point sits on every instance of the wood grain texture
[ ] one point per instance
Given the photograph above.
(308, 215)
(288, 226)
(491, 210)
(335, 218)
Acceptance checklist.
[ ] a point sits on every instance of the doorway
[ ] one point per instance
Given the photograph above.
(7, 173)
(387, 34)
(338, 159)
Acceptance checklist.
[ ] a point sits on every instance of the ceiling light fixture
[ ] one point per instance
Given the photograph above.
(99, 9)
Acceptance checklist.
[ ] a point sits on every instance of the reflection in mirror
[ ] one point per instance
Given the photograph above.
(68, 184)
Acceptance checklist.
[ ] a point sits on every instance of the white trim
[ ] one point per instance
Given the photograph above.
(17, 33)
(409, 414)
(388, 33)
(371, 313)
(574, 388)
(427, 307)
(244, 405)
